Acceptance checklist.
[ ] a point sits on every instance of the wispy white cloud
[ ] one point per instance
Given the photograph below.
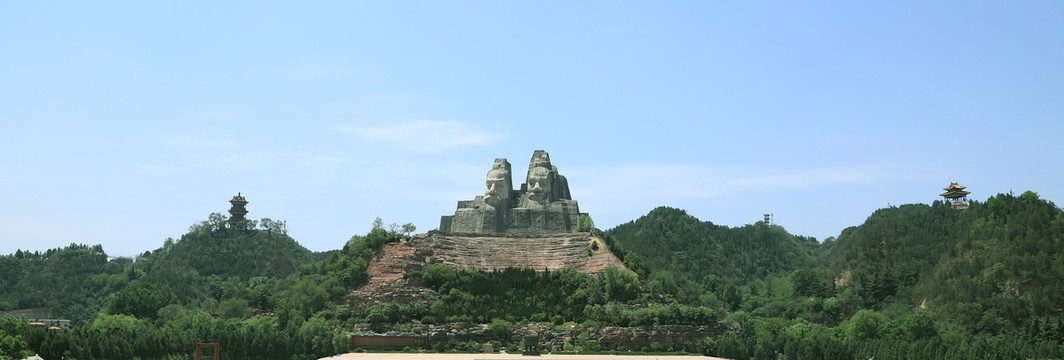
(426, 135)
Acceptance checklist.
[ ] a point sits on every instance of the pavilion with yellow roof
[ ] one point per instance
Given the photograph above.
(956, 195)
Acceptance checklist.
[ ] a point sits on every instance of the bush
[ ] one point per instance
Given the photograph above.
(500, 329)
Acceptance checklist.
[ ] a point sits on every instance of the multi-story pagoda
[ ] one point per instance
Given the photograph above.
(238, 211)
(956, 196)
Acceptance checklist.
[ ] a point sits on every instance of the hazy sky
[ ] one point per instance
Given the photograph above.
(123, 124)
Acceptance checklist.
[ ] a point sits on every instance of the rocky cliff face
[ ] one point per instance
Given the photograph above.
(478, 252)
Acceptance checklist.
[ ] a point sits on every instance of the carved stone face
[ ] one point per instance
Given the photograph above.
(539, 159)
(497, 187)
(540, 184)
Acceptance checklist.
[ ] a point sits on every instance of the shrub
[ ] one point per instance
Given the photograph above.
(500, 329)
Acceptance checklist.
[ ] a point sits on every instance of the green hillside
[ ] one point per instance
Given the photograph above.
(256, 248)
(251, 285)
(919, 281)
(912, 281)
(71, 282)
(700, 255)
(994, 268)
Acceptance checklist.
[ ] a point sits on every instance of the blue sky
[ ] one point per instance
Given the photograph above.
(123, 123)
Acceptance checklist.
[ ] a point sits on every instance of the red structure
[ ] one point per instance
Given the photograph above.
(216, 347)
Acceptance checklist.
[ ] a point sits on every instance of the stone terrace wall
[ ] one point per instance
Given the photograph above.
(499, 251)
(473, 251)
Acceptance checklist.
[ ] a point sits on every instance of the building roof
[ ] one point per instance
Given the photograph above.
(954, 191)
(955, 194)
(239, 198)
(953, 186)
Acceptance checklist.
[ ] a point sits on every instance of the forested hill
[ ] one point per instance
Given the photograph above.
(254, 248)
(913, 281)
(996, 267)
(700, 254)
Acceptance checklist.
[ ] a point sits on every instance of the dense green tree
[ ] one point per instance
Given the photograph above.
(584, 223)
(12, 347)
(500, 329)
(867, 324)
(141, 299)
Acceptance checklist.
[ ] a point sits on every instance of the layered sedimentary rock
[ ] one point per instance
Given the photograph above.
(542, 205)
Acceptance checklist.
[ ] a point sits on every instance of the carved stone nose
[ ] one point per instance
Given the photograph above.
(536, 188)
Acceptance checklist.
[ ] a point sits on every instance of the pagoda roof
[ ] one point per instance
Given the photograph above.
(953, 186)
(954, 190)
(239, 198)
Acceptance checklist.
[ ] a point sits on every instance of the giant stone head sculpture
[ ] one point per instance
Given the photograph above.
(543, 204)
(499, 183)
(540, 180)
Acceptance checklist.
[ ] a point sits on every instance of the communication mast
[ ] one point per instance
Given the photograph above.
(768, 219)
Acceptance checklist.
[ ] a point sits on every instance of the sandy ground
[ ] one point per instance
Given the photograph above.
(409, 356)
